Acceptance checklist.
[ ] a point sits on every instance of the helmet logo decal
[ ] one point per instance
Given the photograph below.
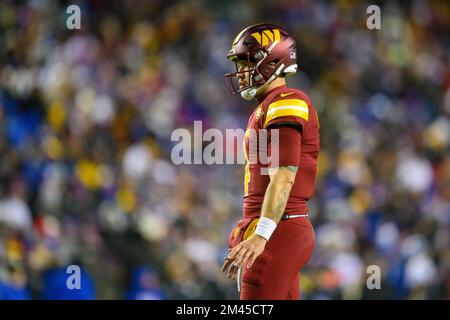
(267, 36)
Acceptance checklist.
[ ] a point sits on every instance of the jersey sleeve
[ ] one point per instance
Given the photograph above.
(288, 110)
(284, 151)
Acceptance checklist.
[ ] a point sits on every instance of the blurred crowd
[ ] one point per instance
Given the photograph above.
(86, 176)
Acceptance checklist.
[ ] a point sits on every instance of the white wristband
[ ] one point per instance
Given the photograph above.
(265, 227)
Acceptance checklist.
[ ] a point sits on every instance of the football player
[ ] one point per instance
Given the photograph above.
(274, 239)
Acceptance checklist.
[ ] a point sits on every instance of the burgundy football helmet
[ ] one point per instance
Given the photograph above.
(268, 50)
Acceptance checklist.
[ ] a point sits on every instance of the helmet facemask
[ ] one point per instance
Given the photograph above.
(253, 78)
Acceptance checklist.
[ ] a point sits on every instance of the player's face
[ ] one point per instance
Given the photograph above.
(241, 79)
(243, 75)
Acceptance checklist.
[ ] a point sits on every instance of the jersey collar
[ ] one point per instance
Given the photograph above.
(261, 98)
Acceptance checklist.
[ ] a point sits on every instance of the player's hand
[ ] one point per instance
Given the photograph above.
(244, 254)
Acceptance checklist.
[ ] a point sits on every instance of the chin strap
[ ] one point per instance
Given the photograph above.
(251, 93)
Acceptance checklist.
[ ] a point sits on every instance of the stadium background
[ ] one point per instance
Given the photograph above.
(85, 169)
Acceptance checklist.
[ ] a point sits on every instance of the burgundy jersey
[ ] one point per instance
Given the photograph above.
(280, 106)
